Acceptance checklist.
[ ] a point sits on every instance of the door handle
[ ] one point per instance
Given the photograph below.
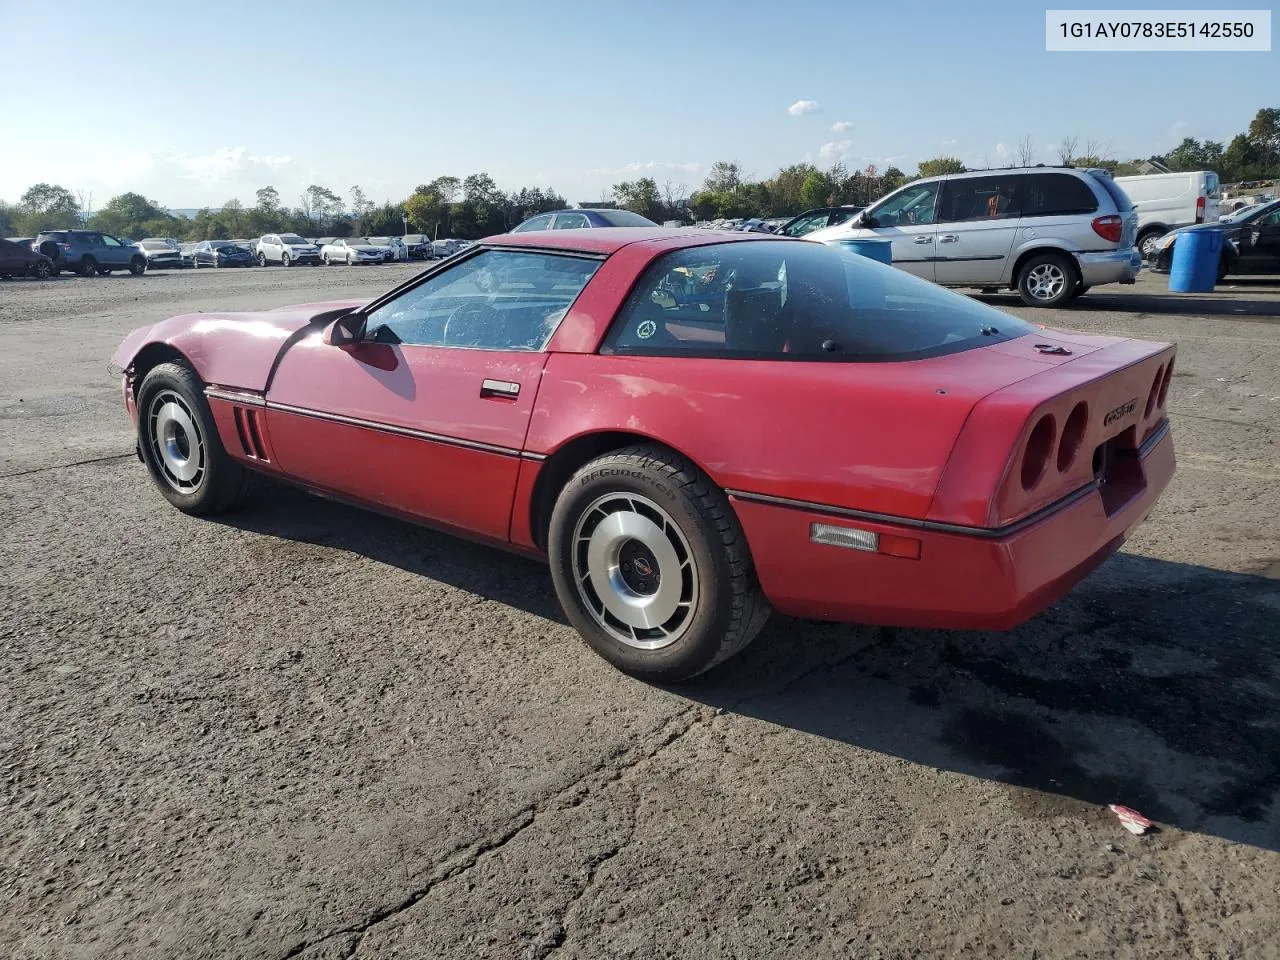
(499, 388)
(949, 238)
(923, 239)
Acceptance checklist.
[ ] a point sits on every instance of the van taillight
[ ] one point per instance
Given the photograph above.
(1108, 228)
(1199, 209)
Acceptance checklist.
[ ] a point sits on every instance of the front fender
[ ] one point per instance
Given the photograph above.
(230, 349)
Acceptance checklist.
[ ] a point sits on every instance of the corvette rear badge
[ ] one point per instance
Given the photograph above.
(1120, 412)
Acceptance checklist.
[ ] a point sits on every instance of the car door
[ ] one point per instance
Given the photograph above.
(114, 253)
(906, 218)
(427, 413)
(977, 223)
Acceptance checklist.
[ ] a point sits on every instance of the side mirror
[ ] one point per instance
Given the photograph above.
(864, 219)
(346, 331)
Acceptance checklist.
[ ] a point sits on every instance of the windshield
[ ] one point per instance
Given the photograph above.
(912, 205)
(155, 245)
(292, 239)
(798, 300)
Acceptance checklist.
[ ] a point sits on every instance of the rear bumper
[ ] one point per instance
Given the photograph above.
(1117, 266)
(961, 580)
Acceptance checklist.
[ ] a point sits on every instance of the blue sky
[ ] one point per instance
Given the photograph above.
(205, 102)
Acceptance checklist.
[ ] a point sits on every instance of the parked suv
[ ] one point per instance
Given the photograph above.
(286, 249)
(17, 259)
(1050, 233)
(91, 253)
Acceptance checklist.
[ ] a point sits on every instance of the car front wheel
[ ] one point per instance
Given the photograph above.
(651, 566)
(285, 261)
(138, 266)
(44, 270)
(262, 259)
(180, 445)
(1046, 280)
(88, 268)
(1147, 242)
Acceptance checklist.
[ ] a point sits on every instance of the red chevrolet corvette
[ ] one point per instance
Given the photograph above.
(690, 426)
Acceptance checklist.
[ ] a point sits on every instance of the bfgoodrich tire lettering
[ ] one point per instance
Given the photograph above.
(180, 444)
(648, 521)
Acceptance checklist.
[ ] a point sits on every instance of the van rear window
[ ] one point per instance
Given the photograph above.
(1056, 194)
(1123, 203)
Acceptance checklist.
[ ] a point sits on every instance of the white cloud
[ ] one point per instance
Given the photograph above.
(802, 107)
(636, 167)
(950, 144)
(1003, 151)
(225, 163)
(834, 150)
(841, 126)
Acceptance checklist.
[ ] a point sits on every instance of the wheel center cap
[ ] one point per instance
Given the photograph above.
(639, 568)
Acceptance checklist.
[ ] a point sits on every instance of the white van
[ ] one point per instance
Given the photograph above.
(1165, 201)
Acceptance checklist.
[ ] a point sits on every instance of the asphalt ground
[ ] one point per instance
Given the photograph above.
(305, 731)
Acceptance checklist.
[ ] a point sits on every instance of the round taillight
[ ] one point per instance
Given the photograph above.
(1072, 436)
(1164, 385)
(1039, 447)
(1155, 392)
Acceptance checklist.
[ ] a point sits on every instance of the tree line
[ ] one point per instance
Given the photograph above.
(473, 206)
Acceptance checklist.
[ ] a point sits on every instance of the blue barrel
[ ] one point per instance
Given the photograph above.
(871, 248)
(1195, 261)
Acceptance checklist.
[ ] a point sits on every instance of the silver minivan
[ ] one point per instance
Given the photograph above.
(1050, 233)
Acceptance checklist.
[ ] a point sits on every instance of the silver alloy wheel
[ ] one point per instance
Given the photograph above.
(634, 571)
(176, 442)
(284, 259)
(1148, 244)
(1046, 281)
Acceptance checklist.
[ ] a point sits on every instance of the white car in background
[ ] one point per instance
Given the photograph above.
(444, 248)
(399, 250)
(353, 250)
(286, 249)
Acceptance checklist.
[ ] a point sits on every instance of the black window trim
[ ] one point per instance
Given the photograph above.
(474, 251)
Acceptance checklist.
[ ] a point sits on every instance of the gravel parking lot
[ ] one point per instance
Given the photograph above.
(303, 731)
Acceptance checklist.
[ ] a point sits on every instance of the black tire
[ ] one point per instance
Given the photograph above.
(105, 271)
(88, 267)
(726, 607)
(284, 259)
(325, 258)
(1147, 237)
(262, 259)
(1080, 290)
(220, 482)
(1046, 280)
(138, 266)
(43, 270)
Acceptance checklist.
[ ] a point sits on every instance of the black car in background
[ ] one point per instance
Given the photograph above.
(419, 246)
(1251, 242)
(17, 259)
(221, 253)
(816, 219)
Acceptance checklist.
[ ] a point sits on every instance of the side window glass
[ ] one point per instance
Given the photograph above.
(978, 198)
(570, 221)
(911, 206)
(110, 241)
(1056, 194)
(495, 300)
(537, 223)
(807, 225)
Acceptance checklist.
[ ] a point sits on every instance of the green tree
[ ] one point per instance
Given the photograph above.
(939, 166)
(785, 188)
(1264, 135)
(321, 203)
(268, 199)
(6, 220)
(232, 216)
(133, 215)
(47, 206)
(639, 196)
(361, 210)
(724, 177)
(1242, 160)
(817, 190)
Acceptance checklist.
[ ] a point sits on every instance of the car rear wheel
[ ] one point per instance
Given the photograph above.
(138, 266)
(1046, 280)
(1147, 241)
(651, 566)
(180, 444)
(88, 267)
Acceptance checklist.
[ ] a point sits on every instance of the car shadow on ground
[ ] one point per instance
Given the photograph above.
(1154, 684)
